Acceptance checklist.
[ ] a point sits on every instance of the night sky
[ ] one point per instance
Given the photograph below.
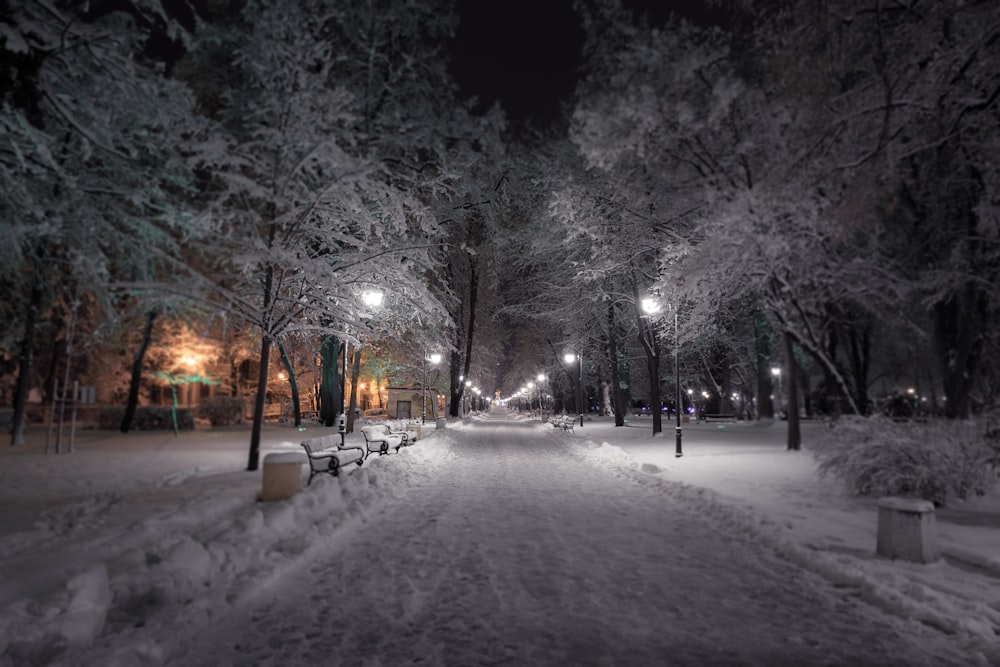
(526, 53)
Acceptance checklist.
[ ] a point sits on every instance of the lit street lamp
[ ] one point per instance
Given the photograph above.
(435, 359)
(578, 358)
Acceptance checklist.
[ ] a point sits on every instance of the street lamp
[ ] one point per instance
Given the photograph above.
(435, 359)
(578, 358)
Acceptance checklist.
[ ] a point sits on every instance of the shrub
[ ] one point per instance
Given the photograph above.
(221, 410)
(879, 457)
(147, 418)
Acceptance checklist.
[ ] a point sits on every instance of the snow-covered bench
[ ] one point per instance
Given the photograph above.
(379, 438)
(563, 422)
(326, 455)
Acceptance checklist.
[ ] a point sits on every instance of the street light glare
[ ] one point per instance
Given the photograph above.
(435, 358)
(372, 299)
(570, 357)
(650, 305)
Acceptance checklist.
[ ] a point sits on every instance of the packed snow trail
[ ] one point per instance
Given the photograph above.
(517, 551)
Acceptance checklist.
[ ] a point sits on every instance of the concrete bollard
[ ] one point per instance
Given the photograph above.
(907, 530)
(441, 422)
(282, 475)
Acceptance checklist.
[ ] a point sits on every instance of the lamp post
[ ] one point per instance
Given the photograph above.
(678, 451)
(435, 359)
(578, 358)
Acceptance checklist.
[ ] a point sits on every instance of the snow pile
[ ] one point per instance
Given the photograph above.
(204, 572)
(977, 624)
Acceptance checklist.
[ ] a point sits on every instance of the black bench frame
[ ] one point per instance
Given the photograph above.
(563, 422)
(324, 455)
(383, 444)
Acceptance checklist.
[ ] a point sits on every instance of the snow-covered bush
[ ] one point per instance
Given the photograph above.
(147, 418)
(222, 410)
(879, 457)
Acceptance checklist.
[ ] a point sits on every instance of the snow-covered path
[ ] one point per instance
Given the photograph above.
(515, 549)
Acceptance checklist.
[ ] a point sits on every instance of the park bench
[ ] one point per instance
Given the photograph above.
(563, 422)
(326, 455)
(379, 438)
(720, 418)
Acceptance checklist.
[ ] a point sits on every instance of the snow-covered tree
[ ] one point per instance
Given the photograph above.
(306, 218)
(88, 158)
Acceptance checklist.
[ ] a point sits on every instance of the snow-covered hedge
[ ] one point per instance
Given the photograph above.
(933, 460)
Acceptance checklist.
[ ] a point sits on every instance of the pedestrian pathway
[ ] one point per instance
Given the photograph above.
(519, 551)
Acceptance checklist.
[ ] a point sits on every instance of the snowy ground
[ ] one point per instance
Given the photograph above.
(487, 543)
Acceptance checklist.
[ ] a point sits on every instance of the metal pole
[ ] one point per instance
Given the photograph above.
(343, 381)
(579, 387)
(423, 393)
(677, 372)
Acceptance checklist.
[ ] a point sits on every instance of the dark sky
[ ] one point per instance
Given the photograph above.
(526, 53)
(523, 52)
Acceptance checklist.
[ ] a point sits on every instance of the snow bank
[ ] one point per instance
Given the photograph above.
(975, 623)
(204, 572)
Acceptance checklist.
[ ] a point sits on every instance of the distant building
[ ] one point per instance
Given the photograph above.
(404, 403)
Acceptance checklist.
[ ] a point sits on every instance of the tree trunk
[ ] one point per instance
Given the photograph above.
(616, 386)
(651, 346)
(293, 385)
(457, 384)
(456, 394)
(794, 431)
(355, 374)
(765, 404)
(133, 388)
(74, 306)
(253, 457)
(329, 387)
(656, 403)
(859, 355)
(726, 386)
(253, 462)
(958, 325)
(20, 420)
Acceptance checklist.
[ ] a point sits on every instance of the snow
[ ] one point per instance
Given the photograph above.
(490, 541)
